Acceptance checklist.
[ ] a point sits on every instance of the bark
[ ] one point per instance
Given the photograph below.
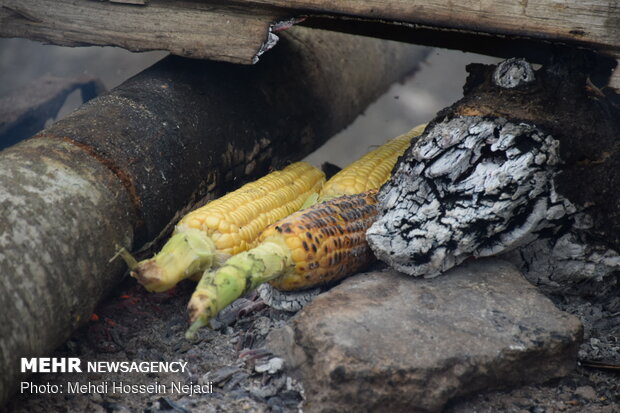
(123, 166)
(524, 159)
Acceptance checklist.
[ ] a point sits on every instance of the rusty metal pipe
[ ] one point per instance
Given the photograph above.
(117, 170)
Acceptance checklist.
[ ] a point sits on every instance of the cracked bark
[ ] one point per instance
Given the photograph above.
(525, 160)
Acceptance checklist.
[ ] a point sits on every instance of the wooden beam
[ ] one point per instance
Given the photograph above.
(239, 31)
(592, 23)
(236, 30)
(184, 28)
(505, 28)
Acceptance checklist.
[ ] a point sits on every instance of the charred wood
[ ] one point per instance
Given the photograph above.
(527, 159)
(287, 300)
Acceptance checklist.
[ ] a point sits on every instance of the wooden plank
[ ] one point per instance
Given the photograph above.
(593, 23)
(517, 27)
(185, 28)
(240, 30)
(235, 30)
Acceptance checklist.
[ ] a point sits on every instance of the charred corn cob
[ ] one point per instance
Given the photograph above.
(313, 246)
(371, 170)
(228, 225)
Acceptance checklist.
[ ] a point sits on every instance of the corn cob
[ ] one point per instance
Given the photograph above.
(371, 170)
(228, 225)
(313, 246)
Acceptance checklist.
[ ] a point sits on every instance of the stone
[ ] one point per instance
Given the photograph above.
(586, 392)
(384, 341)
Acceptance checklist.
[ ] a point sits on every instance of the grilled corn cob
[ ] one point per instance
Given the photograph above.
(228, 225)
(313, 246)
(371, 170)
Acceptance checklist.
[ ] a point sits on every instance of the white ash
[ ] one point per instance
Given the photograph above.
(271, 366)
(286, 300)
(557, 264)
(513, 73)
(469, 187)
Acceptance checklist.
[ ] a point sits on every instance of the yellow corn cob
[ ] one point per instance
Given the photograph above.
(235, 220)
(370, 171)
(311, 247)
(228, 225)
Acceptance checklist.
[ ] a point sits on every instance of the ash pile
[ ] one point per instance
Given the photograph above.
(229, 367)
(347, 340)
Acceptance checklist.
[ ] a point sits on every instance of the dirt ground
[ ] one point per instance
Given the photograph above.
(132, 325)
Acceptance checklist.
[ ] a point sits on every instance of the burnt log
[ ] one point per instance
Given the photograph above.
(120, 168)
(526, 164)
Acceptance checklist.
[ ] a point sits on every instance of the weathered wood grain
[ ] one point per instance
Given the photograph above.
(465, 25)
(185, 28)
(239, 31)
(588, 22)
(236, 29)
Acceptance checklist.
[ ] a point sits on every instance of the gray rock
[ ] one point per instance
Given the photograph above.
(586, 392)
(384, 341)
